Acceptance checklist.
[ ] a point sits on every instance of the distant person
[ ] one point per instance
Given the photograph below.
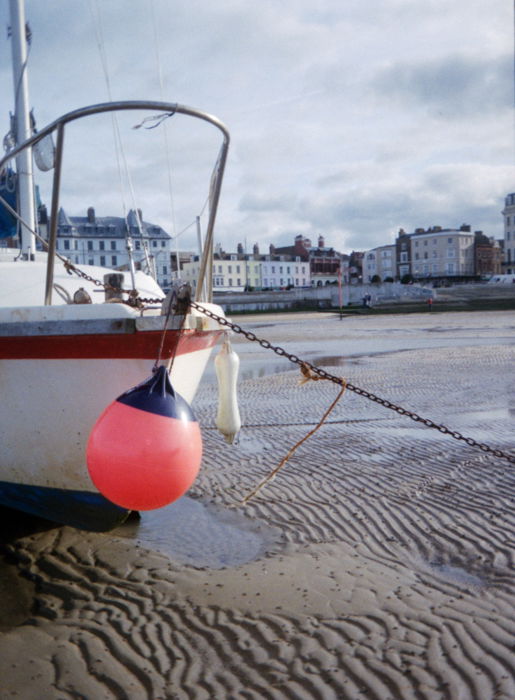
(430, 304)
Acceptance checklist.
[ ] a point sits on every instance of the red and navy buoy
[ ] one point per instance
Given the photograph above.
(145, 449)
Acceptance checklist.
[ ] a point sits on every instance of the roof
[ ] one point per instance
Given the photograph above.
(107, 227)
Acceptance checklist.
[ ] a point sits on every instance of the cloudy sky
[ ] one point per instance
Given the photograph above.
(348, 118)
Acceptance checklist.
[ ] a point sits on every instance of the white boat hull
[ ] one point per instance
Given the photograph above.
(51, 401)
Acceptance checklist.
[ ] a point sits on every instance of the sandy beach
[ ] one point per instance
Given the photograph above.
(378, 564)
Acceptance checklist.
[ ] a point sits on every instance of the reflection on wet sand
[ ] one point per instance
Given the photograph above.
(378, 563)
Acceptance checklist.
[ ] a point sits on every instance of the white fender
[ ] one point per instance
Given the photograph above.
(227, 364)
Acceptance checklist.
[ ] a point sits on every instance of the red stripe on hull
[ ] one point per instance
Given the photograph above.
(139, 345)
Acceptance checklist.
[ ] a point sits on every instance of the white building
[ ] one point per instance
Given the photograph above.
(102, 241)
(436, 253)
(236, 273)
(509, 234)
(282, 271)
(379, 261)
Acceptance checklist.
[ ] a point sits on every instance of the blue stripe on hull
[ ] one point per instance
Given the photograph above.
(81, 509)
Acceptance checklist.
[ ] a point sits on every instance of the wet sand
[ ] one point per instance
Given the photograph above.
(377, 564)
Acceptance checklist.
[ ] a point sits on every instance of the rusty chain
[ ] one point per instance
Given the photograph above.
(135, 300)
(267, 345)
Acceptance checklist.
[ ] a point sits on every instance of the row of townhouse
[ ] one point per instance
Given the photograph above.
(239, 272)
(437, 254)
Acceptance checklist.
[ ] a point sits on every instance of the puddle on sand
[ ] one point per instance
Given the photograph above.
(200, 535)
(458, 575)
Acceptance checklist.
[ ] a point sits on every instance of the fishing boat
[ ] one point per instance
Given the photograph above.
(71, 341)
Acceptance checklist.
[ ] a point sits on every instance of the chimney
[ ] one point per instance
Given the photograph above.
(91, 215)
(272, 248)
(240, 249)
(307, 243)
(255, 249)
(321, 242)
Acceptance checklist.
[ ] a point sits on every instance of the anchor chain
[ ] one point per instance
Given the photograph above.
(278, 350)
(135, 300)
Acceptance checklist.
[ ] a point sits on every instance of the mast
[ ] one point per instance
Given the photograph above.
(23, 129)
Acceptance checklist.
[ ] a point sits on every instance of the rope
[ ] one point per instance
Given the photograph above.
(173, 298)
(307, 376)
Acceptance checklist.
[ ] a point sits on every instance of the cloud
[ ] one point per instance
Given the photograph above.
(351, 119)
(453, 86)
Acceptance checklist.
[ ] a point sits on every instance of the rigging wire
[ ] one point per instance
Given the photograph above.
(121, 159)
(165, 135)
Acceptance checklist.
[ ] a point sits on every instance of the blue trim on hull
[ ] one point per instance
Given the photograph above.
(84, 510)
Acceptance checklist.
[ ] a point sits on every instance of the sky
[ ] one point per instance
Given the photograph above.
(348, 119)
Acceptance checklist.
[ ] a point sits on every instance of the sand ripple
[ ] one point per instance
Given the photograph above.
(394, 573)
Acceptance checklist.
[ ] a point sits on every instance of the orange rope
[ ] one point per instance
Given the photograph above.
(307, 376)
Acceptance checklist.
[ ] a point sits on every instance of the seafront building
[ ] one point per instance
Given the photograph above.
(379, 264)
(103, 241)
(326, 265)
(238, 272)
(509, 234)
(436, 254)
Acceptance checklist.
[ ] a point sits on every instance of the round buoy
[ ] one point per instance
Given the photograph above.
(145, 449)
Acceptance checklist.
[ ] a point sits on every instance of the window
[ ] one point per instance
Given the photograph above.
(229, 269)
(101, 245)
(425, 255)
(137, 245)
(404, 257)
(425, 242)
(154, 244)
(273, 269)
(416, 256)
(449, 241)
(75, 245)
(230, 280)
(165, 269)
(219, 269)
(114, 260)
(67, 245)
(113, 245)
(163, 244)
(91, 261)
(238, 281)
(90, 245)
(238, 269)
(102, 260)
